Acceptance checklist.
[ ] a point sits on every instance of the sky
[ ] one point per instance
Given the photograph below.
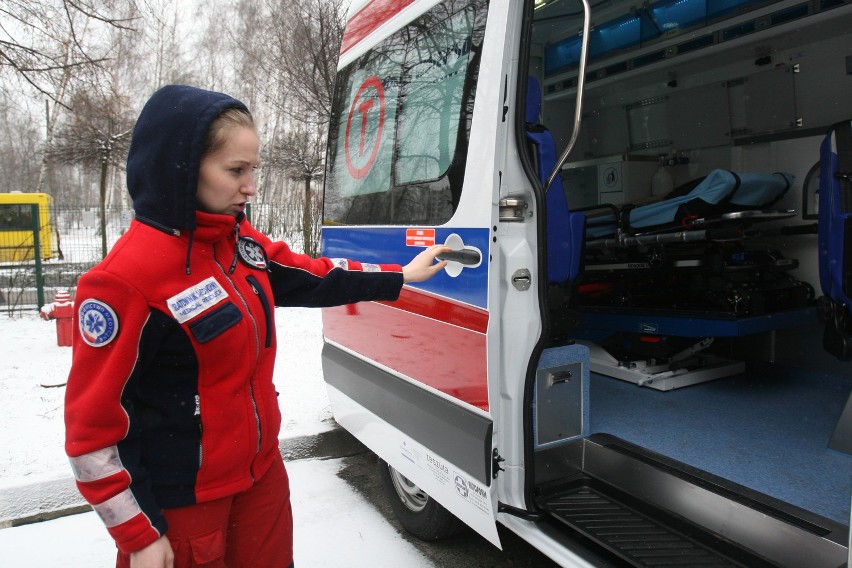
(31, 438)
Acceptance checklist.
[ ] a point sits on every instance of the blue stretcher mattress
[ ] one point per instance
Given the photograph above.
(720, 192)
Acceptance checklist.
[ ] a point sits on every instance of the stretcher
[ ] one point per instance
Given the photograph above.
(722, 198)
(663, 281)
(651, 286)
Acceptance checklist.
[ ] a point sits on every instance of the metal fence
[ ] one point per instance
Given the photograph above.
(79, 244)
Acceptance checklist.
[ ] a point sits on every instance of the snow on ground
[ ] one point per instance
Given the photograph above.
(32, 442)
(334, 526)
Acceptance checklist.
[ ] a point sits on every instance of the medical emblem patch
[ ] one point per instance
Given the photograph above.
(251, 253)
(98, 323)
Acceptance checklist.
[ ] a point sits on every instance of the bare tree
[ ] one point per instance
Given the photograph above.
(96, 136)
(91, 64)
(18, 168)
(40, 39)
(53, 48)
(309, 33)
(302, 157)
(305, 37)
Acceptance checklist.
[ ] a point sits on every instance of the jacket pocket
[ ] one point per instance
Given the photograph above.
(217, 322)
(267, 307)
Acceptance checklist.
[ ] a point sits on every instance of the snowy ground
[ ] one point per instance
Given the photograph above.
(31, 441)
(31, 444)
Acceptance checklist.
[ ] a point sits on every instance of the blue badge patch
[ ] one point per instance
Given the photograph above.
(251, 253)
(98, 323)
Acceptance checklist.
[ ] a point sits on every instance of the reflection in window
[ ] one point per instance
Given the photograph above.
(400, 121)
(365, 128)
(432, 90)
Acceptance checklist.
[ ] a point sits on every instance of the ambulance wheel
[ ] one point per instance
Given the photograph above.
(418, 513)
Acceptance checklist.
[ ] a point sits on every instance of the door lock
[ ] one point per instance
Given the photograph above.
(522, 279)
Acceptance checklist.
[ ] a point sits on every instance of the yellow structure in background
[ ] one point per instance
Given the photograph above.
(16, 226)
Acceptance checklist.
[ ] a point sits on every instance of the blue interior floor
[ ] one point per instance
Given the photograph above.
(767, 429)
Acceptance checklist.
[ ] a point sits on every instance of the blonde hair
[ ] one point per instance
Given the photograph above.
(228, 121)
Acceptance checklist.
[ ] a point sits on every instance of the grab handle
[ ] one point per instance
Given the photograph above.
(581, 85)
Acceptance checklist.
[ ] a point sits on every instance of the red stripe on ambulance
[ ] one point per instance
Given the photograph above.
(368, 19)
(413, 336)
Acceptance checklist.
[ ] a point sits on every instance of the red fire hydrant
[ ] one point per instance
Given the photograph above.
(61, 310)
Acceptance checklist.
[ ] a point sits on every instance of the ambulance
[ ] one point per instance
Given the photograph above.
(638, 351)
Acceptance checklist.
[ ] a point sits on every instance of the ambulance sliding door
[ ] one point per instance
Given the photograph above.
(409, 378)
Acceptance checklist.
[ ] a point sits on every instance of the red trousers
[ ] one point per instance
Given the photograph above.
(252, 529)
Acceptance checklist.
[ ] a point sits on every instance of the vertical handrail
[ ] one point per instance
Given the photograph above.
(581, 84)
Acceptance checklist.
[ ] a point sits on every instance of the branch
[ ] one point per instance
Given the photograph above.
(90, 13)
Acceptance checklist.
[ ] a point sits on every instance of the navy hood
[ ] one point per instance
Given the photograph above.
(165, 153)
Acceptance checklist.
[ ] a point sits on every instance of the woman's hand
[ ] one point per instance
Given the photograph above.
(422, 267)
(158, 554)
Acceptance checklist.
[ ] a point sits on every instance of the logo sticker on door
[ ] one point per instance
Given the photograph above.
(364, 127)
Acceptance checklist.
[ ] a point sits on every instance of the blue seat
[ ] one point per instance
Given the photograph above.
(835, 238)
(565, 229)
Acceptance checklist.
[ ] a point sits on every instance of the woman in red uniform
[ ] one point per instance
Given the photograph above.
(171, 415)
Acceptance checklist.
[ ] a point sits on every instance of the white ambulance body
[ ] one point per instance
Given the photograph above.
(624, 359)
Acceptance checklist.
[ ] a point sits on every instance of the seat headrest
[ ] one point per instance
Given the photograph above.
(533, 109)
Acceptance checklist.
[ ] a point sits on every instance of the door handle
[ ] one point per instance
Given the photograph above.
(460, 256)
(467, 257)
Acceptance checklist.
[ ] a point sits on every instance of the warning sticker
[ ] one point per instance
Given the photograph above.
(419, 237)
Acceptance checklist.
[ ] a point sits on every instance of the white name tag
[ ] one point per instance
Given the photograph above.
(196, 299)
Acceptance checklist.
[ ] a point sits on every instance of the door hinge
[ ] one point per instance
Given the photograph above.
(495, 463)
(513, 209)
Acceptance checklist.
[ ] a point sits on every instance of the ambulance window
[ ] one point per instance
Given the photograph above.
(430, 99)
(400, 120)
(362, 165)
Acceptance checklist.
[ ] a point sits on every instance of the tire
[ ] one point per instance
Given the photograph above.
(416, 511)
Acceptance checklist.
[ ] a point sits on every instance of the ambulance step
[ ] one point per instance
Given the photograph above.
(637, 538)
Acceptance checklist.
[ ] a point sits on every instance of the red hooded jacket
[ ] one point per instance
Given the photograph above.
(170, 399)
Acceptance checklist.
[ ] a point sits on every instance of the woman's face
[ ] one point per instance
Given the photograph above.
(226, 177)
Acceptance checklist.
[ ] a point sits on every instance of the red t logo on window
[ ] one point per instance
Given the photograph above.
(370, 131)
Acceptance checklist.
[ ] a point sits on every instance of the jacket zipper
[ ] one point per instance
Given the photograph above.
(264, 301)
(256, 347)
(200, 430)
(236, 248)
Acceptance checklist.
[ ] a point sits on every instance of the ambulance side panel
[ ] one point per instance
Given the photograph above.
(410, 378)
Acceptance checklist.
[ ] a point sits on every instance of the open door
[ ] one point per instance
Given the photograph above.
(410, 378)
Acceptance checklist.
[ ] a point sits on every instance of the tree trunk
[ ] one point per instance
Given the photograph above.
(307, 225)
(103, 188)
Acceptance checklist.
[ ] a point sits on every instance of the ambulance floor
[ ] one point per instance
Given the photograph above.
(767, 429)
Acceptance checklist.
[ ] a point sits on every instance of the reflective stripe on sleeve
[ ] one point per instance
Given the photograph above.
(96, 465)
(118, 509)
